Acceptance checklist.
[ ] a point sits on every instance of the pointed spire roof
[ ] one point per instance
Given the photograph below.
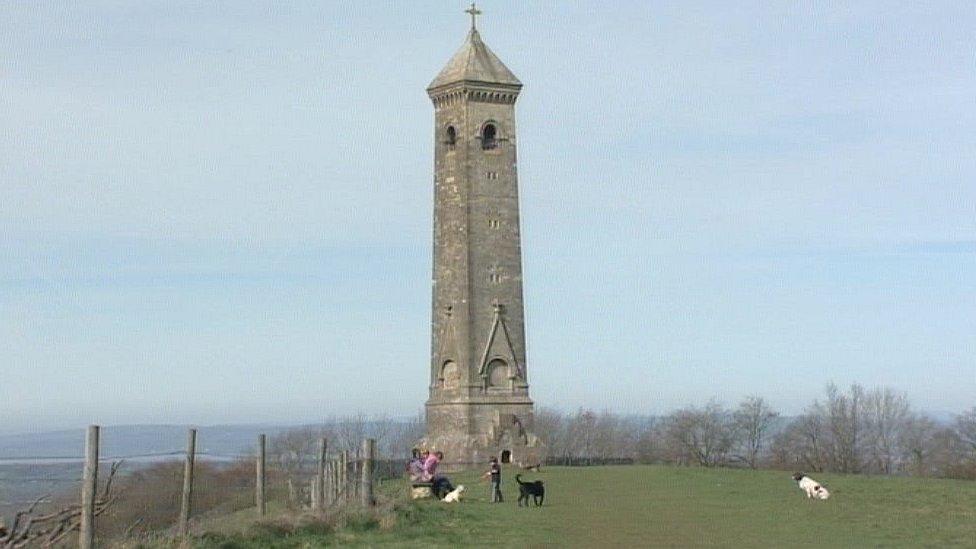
(474, 62)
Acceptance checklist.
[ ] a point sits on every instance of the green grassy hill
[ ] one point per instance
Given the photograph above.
(650, 506)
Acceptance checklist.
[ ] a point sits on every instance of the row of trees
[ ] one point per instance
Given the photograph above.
(878, 432)
(854, 431)
(295, 451)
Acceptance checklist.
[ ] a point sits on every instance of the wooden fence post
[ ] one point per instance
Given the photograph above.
(318, 502)
(327, 485)
(369, 454)
(191, 450)
(89, 485)
(259, 484)
(354, 477)
(334, 468)
(343, 475)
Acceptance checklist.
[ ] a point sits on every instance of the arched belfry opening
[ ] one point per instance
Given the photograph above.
(479, 404)
(450, 375)
(451, 137)
(497, 373)
(489, 137)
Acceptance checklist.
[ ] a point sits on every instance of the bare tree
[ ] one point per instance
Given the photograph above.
(625, 437)
(965, 432)
(885, 414)
(846, 423)
(753, 419)
(705, 435)
(965, 427)
(550, 426)
(402, 436)
(588, 436)
(29, 528)
(583, 434)
(351, 431)
(804, 443)
(952, 456)
(648, 447)
(294, 450)
(915, 441)
(608, 437)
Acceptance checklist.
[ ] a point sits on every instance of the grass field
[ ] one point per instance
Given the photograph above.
(650, 506)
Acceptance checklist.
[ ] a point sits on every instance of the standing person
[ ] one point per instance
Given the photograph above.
(494, 474)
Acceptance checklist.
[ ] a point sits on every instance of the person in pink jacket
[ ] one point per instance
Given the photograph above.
(440, 484)
(430, 465)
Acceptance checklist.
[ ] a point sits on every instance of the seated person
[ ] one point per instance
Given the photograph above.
(415, 467)
(429, 467)
(440, 485)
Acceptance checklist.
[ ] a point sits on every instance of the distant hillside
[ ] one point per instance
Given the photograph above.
(134, 440)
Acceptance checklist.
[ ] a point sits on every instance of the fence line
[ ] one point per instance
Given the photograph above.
(45, 479)
(28, 460)
(586, 461)
(343, 478)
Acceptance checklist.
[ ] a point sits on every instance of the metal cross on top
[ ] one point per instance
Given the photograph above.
(475, 12)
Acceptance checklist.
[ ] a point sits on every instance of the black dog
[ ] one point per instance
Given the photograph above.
(534, 489)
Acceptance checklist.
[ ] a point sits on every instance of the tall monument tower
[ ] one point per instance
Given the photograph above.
(479, 394)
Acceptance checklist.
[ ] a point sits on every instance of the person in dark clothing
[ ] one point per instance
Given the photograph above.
(494, 474)
(440, 485)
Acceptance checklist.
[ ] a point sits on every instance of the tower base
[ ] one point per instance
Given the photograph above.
(470, 434)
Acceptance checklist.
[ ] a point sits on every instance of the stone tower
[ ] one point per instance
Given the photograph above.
(479, 394)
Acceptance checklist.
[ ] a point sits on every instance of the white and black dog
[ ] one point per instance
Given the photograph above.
(813, 488)
(454, 496)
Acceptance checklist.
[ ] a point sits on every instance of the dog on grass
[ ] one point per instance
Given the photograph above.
(454, 496)
(813, 489)
(535, 489)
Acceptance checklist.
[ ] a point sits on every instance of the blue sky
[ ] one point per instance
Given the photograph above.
(221, 212)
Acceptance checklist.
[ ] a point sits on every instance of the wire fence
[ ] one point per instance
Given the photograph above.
(575, 461)
(173, 490)
(27, 459)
